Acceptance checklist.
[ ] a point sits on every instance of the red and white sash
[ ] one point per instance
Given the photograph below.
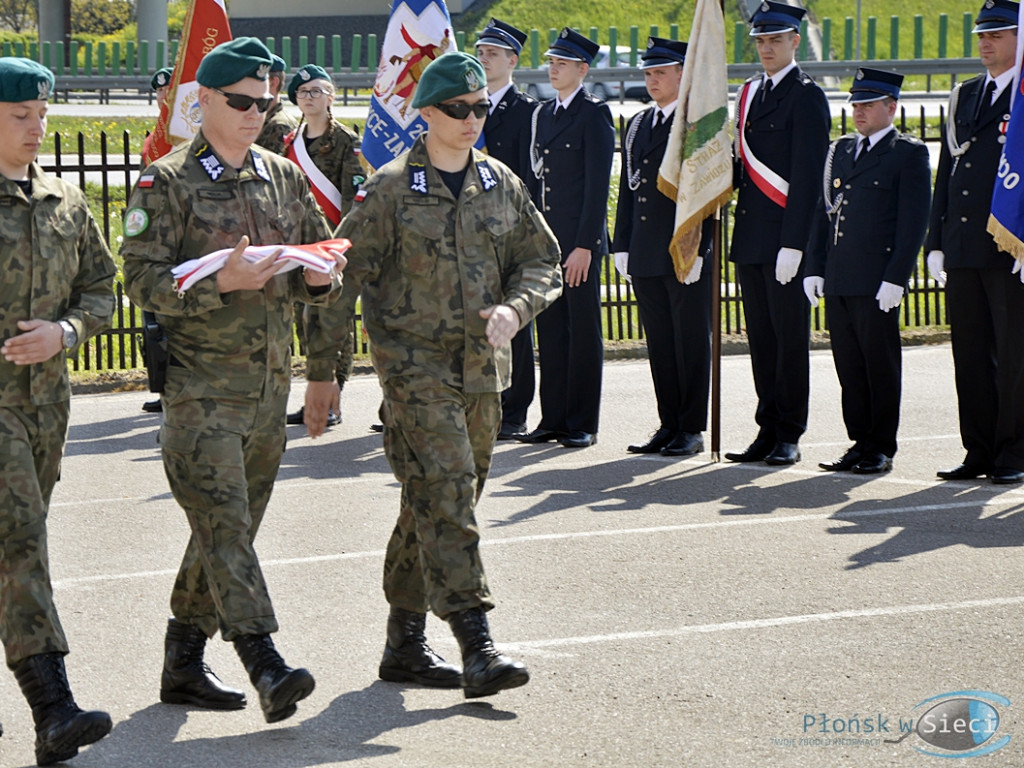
(768, 181)
(326, 194)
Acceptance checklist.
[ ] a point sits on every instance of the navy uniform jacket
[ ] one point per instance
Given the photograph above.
(963, 197)
(789, 133)
(645, 218)
(575, 151)
(883, 216)
(507, 131)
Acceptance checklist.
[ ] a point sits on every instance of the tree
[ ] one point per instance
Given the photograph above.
(18, 15)
(100, 17)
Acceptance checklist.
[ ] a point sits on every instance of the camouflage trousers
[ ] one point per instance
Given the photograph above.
(221, 454)
(438, 441)
(31, 445)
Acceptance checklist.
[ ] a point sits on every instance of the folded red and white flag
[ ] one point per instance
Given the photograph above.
(315, 256)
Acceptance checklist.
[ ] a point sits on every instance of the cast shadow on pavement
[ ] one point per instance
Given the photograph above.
(340, 733)
(930, 520)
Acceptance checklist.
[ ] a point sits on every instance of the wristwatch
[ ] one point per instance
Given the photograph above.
(70, 337)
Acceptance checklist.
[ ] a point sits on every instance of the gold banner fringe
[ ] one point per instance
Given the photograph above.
(686, 242)
(1005, 239)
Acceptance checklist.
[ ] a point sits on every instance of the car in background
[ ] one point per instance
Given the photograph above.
(600, 79)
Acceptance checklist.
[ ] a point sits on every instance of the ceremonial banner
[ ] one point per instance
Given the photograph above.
(1006, 223)
(206, 27)
(418, 32)
(696, 171)
(157, 145)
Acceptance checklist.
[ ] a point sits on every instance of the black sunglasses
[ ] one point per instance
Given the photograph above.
(241, 102)
(460, 110)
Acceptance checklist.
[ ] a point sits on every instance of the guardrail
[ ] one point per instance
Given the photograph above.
(363, 81)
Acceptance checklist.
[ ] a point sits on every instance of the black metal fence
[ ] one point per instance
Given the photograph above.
(120, 348)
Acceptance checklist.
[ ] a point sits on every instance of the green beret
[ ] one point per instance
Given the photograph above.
(279, 64)
(161, 78)
(234, 60)
(304, 75)
(24, 80)
(447, 76)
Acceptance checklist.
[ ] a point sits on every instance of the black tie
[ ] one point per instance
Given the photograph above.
(657, 118)
(766, 90)
(864, 147)
(985, 99)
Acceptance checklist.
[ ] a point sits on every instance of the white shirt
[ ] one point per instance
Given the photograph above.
(559, 104)
(496, 97)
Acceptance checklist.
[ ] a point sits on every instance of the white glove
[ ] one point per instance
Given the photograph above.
(936, 262)
(814, 287)
(1017, 270)
(889, 296)
(694, 275)
(622, 264)
(787, 264)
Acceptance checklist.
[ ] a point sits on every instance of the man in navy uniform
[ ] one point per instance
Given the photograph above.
(676, 315)
(984, 300)
(868, 230)
(782, 134)
(507, 136)
(572, 140)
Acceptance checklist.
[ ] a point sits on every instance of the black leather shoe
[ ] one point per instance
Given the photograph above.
(684, 444)
(962, 472)
(539, 436)
(845, 464)
(577, 439)
(783, 454)
(376, 427)
(872, 464)
(333, 419)
(658, 440)
(509, 431)
(1006, 476)
(153, 406)
(756, 451)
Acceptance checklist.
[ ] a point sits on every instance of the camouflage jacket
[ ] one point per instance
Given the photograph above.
(337, 154)
(189, 203)
(276, 125)
(426, 264)
(56, 267)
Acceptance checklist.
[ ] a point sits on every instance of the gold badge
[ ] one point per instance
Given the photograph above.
(837, 183)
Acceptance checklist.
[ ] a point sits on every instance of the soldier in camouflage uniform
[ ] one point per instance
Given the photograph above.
(229, 339)
(451, 259)
(278, 122)
(56, 292)
(328, 152)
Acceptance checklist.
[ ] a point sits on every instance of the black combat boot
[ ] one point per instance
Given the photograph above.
(61, 727)
(186, 678)
(408, 658)
(279, 685)
(484, 670)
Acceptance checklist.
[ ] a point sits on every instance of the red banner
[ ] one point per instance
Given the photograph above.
(206, 26)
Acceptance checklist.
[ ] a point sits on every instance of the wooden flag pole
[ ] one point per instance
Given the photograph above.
(716, 330)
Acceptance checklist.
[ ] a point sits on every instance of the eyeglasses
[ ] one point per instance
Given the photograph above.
(311, 93)
(459, 110)
(241, 102)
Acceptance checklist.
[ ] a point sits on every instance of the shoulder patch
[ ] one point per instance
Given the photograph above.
(136, 221)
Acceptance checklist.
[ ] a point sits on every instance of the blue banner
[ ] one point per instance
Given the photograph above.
(418, 32)
(1006, 224)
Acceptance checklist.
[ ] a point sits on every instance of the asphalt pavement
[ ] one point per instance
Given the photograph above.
(672, 612)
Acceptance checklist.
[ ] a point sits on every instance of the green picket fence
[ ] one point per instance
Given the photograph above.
(360, 53)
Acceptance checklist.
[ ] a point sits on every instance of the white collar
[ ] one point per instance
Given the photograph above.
(777, 77)
(565, 104)
(667, 111)
(1001, 81)
(496, 97)
(877, 136)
